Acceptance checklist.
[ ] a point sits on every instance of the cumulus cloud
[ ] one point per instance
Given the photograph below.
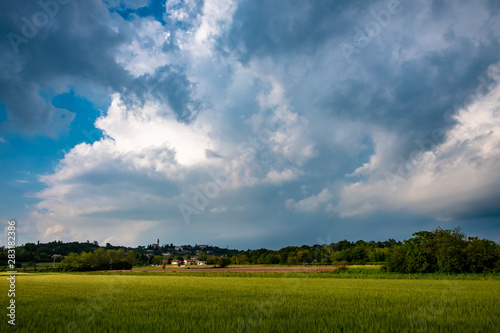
(216, 18)
(276, 177)
(145, 53)
(146, 165)
(88, 48)
(312, 203)
(152, 127)
(34, 72)
(134, 167)
(457, 178)
(261, 94)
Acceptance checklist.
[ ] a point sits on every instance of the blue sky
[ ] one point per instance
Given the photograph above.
(249, 123)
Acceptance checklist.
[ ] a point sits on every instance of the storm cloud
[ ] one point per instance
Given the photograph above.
(259, 123)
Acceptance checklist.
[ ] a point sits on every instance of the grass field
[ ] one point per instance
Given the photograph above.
(190, 303)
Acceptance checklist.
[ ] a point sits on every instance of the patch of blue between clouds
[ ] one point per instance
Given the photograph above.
(24, 157)
(82, 126)
(155, 8)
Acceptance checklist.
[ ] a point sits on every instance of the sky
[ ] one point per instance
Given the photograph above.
(249, 123)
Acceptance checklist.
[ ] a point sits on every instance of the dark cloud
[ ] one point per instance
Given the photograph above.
(274, 28)
(72, 48)
(223, 77)
(413, 100)
(396, 82)
(77, 47)
(169, 85)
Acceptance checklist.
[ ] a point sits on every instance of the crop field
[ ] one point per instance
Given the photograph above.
(190, 303)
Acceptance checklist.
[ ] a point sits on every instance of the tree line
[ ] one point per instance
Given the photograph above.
(99, 259)
(359, 252)
(449, 251)
(43, 252)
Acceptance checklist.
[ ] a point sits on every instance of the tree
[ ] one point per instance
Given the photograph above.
(22, 255)
(377, 254)
(70, 262)
(202, 256)
(482, 254)
(101, 260)
(240, 259)
(450, 250)
(421, 253)
(131, 257)
(157, 260)
(211, 260)
(359, 254)
(180, 260)
(293, 260)
(271, 259)
(166, 261)
(335, 257)
(223, 262)
(396, 259)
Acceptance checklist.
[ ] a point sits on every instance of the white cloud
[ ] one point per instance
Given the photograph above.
(384, 143)
(275, 177)
(144, 152)
(217, 210)
(180, 10)
(152, 127)
(312, 203)
(285, 131)
(270, 100)
(458, 177)
(215, 20)
(149, 161)
(144, 53)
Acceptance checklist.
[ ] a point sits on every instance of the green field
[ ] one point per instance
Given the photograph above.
(189, 303)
